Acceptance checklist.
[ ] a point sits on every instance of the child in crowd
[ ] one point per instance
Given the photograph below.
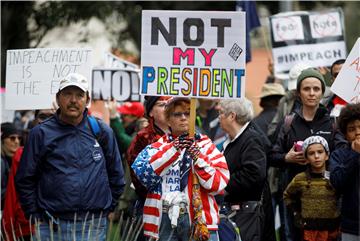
(345, 172)
(311, 197)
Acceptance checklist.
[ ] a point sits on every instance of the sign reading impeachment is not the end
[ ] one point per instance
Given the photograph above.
(193, 54)
(33, 75)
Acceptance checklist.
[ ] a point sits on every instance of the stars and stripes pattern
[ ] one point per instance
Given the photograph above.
(155, 160)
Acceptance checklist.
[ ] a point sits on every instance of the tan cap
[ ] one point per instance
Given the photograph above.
(272, 89)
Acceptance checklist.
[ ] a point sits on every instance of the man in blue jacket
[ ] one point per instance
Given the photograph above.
(69, 180)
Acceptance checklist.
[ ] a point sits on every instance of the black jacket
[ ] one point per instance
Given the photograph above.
(246, 159)
(299, 130)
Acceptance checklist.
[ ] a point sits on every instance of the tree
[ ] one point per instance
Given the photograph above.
(24, 24)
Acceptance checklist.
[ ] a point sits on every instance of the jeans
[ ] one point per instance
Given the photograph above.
(93, 229)
(182, 230)
(349, 237)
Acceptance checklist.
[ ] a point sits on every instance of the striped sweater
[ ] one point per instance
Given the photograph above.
(154, 161)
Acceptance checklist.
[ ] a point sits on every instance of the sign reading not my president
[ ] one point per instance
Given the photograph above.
(193, 54)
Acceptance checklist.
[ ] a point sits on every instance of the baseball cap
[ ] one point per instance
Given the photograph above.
(132, 108)
(74, 79)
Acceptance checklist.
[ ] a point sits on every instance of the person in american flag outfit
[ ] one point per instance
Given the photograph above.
(166, 168)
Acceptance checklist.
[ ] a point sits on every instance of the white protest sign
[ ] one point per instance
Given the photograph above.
(287, 28)
(6, 115)
(112, 61)
(33, 75)
(118, 84)
(347, 83)
(325, 24)
(193, 54)
(315, 38)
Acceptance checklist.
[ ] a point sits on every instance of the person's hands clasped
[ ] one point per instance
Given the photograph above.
(295, 157)
(194, 151)
(183, 142)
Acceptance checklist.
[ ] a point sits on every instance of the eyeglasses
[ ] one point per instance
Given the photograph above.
(181, 114)
(13, 138)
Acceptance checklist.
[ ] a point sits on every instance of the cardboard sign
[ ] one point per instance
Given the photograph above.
(347, 83)
(315, 38)
(193, 54)
(33, 75)
(118, 84)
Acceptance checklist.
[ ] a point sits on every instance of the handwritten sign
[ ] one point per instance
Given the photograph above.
(118, 84)
(315, 38)
(193, 54)
(287, 28)
(33, 75)
(347, 83)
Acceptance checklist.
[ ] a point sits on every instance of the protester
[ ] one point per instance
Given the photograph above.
(68, 180)
(345, 172)
(130, 113)
(311, 197)
(246, 158)
(269, 100)
(13, 219)
(333, 102)
(10, 142)
(289, 102)
(166, 169)
(310, 119)
(206, 117)
(123, 138)
(155, 112)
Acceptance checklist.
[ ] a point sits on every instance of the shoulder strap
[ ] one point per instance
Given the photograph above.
(288, 120)
(94, 126)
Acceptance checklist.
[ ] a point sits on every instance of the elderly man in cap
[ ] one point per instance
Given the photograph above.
(68, 180)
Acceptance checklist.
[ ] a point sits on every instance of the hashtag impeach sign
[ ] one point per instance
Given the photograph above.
(316, 38)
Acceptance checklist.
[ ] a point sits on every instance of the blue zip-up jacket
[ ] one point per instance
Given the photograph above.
(64, 170)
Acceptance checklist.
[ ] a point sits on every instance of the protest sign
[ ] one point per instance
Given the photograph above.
(6, 115)
(112, 61)
(315, 38)
(193, 54)
(118, 84)
(347, 83)
(33, 75)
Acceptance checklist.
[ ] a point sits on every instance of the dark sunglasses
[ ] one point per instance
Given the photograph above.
(180, 114)
(13, 138)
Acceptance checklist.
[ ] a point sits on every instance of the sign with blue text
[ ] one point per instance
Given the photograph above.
(193, 54)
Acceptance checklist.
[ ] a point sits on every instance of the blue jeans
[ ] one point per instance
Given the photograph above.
(67, 230)
(182, 230)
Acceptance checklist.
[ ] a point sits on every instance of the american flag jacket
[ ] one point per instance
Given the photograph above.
(153, 163)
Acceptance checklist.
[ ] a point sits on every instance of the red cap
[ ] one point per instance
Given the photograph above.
(132, 108)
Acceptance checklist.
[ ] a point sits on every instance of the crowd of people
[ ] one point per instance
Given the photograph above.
(65, 174)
